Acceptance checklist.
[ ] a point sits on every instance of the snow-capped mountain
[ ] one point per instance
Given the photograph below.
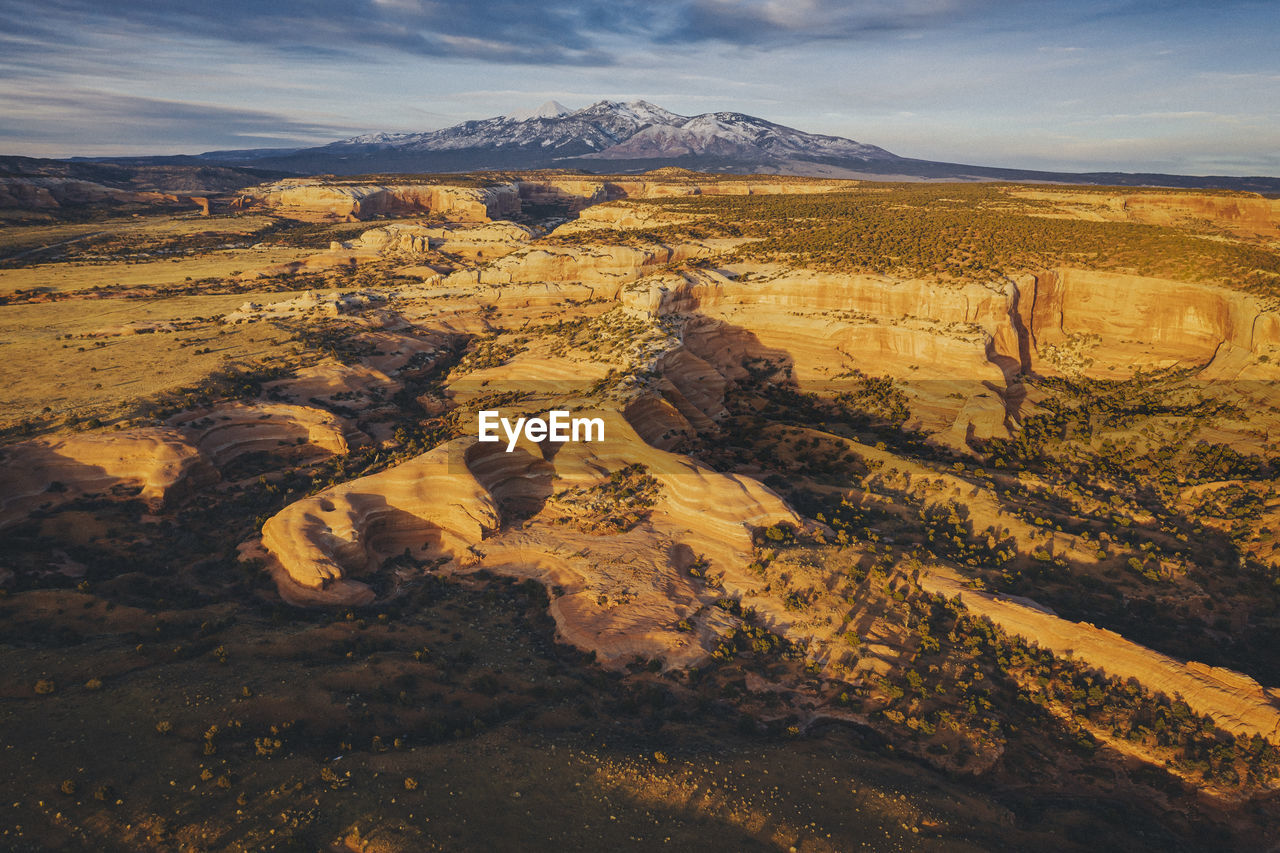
(735, 135)
(551, 109)
(628, 135)
(611, 137)
(551, 129)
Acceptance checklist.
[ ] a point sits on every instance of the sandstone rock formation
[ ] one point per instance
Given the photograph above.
(233, 429)
(309, 304)
(309, 197)
(1128, 322)
(156, 465)
(1240, 213)
(475, 243)
(425, 509)
(52, 193)
(1237, 703)
(590, 264)
(351, 387)
(305, 196)
(473, 505)
(635, 542)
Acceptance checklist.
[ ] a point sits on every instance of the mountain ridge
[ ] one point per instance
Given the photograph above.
(623, 137)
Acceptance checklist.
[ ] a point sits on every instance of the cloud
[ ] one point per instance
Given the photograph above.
(75, 119)
(773, 22)
(491, 30)
(546, 32)
(194, 74)
(551, 32)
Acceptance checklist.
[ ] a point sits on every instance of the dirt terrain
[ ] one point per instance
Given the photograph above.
(967, 490)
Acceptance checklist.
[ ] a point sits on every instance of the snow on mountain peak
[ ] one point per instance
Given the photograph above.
(551, 109)
(636, 130)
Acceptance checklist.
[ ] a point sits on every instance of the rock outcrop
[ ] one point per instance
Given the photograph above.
(468, 505)
(306, 196)
(336, 384)
(52, 193)
(1237, 703)
(475, 243)
(1245, 214)
(1121, 322)
(426, 509)
(592, 264)
(233, 429)
(155, 465)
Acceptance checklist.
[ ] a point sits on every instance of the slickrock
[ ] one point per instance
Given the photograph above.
(692, 386)
(671, 185)
(974, 309)
(50, 193)
(310, 303)
(350, 386)
(548, 294)
(440, 506)
(621, 217)
(1242, 214)
(474, 242)
(429, 508)
(956, 349)
(331, 260)
(657, 421)
(575, 194)
(307, 196)
(397, 350)
(156, 465)
(234, 429)
(624, 593)
(488, 241)
(1237, 703)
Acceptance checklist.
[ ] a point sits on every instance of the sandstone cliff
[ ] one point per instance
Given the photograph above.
(303, 196)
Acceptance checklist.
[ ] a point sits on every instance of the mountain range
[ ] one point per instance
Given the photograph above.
(622, 137)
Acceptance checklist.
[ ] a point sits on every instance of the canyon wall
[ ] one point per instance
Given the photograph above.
(306, 196)
(1133, 321)
(301, 196)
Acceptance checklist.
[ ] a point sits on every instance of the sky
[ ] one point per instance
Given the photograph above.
(1130, 85)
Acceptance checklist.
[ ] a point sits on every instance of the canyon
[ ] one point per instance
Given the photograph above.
(877, 494)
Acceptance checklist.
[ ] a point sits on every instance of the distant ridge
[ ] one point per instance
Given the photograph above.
(635, 136)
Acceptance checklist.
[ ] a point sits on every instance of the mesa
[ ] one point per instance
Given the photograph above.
(381, 473)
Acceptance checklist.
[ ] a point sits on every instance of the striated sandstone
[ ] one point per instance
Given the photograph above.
(429, 508)
(625, 593)
(1143, 322)
(440, 506)
(234, 429)
(1236, 702)
(353, 386)
(310, 303)
(1240, 213)
(156, 465)
(475, 243)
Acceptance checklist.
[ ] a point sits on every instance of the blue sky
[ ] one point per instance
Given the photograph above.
(1183, 87)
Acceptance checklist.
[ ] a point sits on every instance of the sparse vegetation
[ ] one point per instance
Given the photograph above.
(805, 645)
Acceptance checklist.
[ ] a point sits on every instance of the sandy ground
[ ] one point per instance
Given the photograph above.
(37, 369)
(74, 276)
